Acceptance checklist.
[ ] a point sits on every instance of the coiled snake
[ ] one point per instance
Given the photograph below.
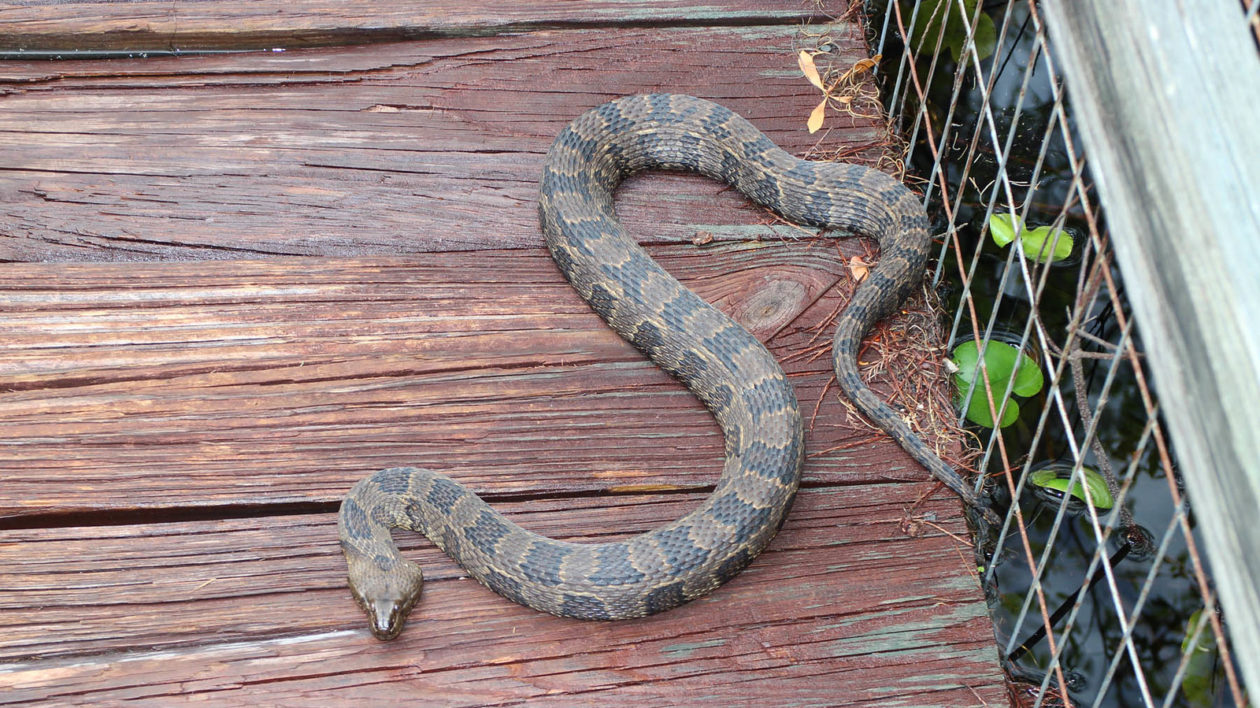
(723, 365)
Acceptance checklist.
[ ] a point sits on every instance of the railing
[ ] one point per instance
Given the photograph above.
(1100, 592)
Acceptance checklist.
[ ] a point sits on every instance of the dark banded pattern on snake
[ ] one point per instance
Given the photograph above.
(718, 360)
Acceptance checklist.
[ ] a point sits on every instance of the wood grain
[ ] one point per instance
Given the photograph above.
(375, 150)
(186, 25)
(266, 382)
(239, 283)
(812, 616)
(245, 385)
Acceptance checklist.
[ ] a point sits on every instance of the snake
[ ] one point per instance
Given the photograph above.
(723, 365)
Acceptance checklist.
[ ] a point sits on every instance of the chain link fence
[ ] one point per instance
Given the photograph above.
(1098, 589)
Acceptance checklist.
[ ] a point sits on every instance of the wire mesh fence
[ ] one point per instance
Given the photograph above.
(1099, 592)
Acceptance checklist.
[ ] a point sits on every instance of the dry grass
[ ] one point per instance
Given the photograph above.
(902, 358)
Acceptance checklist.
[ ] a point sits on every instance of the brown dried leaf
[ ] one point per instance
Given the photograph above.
(865, 64)
(806, 62)
(859, 268)
(816, 117)
(859, 67)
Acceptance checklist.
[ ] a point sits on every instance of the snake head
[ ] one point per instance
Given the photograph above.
(386, 595)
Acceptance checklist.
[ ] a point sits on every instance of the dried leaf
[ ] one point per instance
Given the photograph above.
(859, 268)
(806, 62)
(816, 117)
(865, 65)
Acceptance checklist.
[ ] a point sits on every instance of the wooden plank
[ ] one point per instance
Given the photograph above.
(377, 150)
(255, 610)
(60, 25)
(845, 604)
(161, 419)
(1166, 95)
(156, 386)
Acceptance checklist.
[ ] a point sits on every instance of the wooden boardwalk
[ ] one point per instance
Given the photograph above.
(236, 284)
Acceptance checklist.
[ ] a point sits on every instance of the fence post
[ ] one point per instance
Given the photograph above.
(1166, 96)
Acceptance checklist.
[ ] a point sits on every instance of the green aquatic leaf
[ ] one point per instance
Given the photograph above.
(1202, 667)
(1098, 491)
(965, 356)
(1000, 360)
(1002, 228)
(977, 406)
(986, 34)
(927, 27)
(1206, 640)
(1036, 243)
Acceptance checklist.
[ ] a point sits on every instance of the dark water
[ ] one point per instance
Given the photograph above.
(1173, 598)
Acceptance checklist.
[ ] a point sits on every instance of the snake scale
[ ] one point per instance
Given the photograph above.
(718, 360)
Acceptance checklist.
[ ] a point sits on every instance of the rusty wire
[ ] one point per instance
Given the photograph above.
(1096, 284)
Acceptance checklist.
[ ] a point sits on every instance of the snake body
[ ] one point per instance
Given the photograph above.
(718, 360)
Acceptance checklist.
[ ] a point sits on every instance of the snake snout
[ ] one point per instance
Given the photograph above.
(385, 618)
(387, 597)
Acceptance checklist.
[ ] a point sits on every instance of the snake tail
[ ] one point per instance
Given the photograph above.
(727, 369)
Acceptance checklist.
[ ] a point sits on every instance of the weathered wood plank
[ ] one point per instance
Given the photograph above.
(74, 591)
(58, 25)
(1166, 96)
(133, 393)
(377, 150)
(917, 668)
(816, 607)
(151, 386)
(845, 601)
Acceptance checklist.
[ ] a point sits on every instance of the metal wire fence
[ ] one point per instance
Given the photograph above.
(1099, 592)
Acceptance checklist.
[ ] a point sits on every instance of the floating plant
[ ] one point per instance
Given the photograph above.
(927, 26)
(1053, 483)
(1001, 361)
(1042, 243)
(1203, 668)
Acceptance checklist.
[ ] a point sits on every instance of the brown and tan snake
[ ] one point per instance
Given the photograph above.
(717, 359)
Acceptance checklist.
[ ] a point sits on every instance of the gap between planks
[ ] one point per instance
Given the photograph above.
(67, 27)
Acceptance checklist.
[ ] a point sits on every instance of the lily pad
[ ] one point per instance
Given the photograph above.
(1001, 359)
(1040, 243)
(978, 410)
(1098, 491)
